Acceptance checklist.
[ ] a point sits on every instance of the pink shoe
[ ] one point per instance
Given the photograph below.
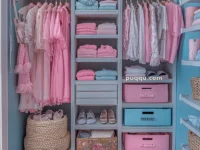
(49, 113)
(104, 117)
(37, 115)
(58, 114)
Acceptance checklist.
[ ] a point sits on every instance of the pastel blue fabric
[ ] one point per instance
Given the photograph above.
(106, 78)
(197, 16)
(107, 8)
(87, 2)
(198, 55)
(105, 72)
(80, 6)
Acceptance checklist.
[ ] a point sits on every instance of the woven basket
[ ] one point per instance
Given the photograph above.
(194, 141)
(46, 129)
(48, 144)
(96, 143)
(195, 82)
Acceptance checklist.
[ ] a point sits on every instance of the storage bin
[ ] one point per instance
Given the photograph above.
(146, 141)
(147, 117)
(194, 141)
(96, 143)
(195, 83)
(145, 93)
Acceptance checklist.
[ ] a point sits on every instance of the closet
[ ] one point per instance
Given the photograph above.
(97, 95)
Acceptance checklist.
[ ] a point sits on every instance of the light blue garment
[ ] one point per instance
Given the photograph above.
(197, 16)
(105, 72)
(198, 55)
(88, 2)
(105, 77)
(107, 8)
(81, 4)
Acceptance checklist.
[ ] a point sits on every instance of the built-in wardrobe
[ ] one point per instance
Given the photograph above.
(102, 94)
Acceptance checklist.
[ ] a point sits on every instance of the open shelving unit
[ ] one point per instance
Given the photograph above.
(190, 101)
(194, 63)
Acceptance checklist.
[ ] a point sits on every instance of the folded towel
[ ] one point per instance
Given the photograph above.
(107, 31)
(86, 78)
(84, 51)
(106, 78)
(85, 30)
(108, 4)
(107, 25)
(87, 8)
(197, 16)
(107, 1)
(135, 70)
(85, 72)
(86, 25)
(81, 4)
(107, 8)
(135, 75)
(86, 33)
(105, 72)
(106, 49)
(88, 2)
(89, 46)
(86, 56)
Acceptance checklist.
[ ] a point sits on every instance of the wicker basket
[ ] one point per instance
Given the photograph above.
(96, 143)
(195, 82)
(194, 141)
(46, 129)
(47, 144)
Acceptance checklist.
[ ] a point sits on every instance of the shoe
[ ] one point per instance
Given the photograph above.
(50, 114)
(58, 114)
(81, 117)
(91, 117)
(104, 117)
(111, 117)
(37, 115)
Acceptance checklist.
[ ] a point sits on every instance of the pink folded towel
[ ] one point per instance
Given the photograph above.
(89, 46)
(107, 1)
(86, 33)
(106, 31)
(85, 72)
(86, 51)
(85, 30)
(106, 49)
(111, 26)
(91, 25)
(111, 55)
(86, 78)
(87, 56)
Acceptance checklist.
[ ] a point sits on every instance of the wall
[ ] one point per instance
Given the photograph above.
(184, 73)
(16, 120)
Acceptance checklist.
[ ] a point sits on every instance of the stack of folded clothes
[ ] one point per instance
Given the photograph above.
(86, 28)
(108, 5)
(106, 51)
(87, 51)
(87, 5)
(135, 71)
(196, 18)
(85, 75)
(105, 74)
(107, 28)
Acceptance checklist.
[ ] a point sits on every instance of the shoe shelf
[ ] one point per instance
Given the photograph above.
(148, 81)
(147, 105)
(190, 101)
(97, 13)
(97, 126)
(190, 127)
(154, 129)
(97, 36)
(185, 147)
(96, 59)
(190, 63)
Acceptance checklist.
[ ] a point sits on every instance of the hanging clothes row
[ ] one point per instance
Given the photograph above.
(43, 61)
(151, 31)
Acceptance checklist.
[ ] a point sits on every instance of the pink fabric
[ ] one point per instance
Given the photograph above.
(86, 26)
(147, 46)
(178, 24)
(86, 56)
(83, 73)
(190, 16)
(85, 30)
(106, 51)
(106, 31)
(174, 30)
(86, 78)
(196, 22)
(194, 46)
(114, 55)
(86, 51)
(87, 33)
(106, 26)
(89, 46)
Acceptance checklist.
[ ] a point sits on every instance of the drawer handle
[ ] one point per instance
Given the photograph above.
(147, 145)
(147, 96)
(147, 119)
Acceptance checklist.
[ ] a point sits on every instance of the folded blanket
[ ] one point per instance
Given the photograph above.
(81, 4)
(88, 2)
(135, 70)
(108, 4)
(85, 30)
(135, 75)
(107, 25)
(107, 1)
(108, 31)
(89, 46)
(85, 72)
(105, 72)
(87, 8)
(84, 51)
(106, 49)
(86, 33)
(107, 8)
(86, 56)
(86, 78)
(86, 26)
(106, 78)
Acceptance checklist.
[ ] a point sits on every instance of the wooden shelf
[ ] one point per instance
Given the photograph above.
(190, 127)
(190, 101)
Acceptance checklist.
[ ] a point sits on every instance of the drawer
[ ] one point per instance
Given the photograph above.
(145, 93)
(96, 101)
(94, 88)
(147, 117)
(84, 95)
(153, 141)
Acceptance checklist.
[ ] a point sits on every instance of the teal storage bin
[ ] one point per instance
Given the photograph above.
(147, 117)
